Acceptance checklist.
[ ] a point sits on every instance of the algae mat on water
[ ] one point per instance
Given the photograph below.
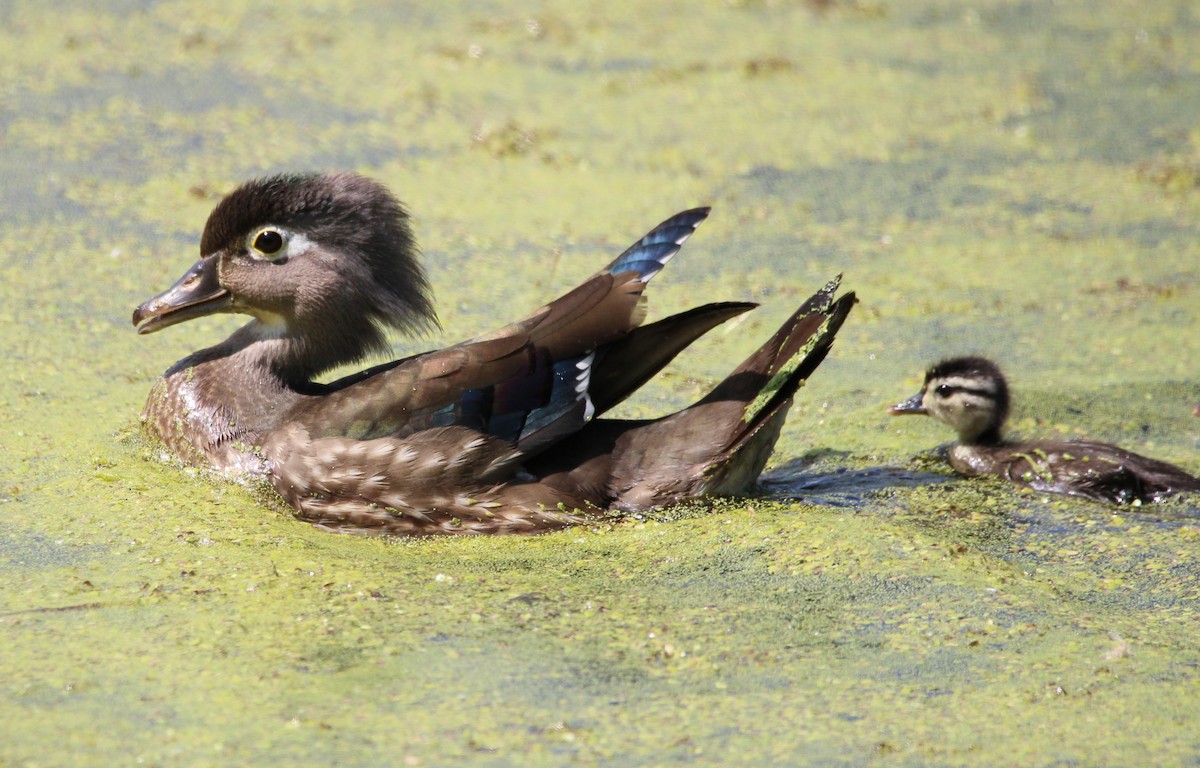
(1019, 179)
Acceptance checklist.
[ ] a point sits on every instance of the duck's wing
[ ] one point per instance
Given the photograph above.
(624, 365)
(528, 382)
(586, 386)
(718, 445)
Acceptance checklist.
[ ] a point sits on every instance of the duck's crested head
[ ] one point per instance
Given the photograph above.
(968, 393)
(311, 256)
(345, 238)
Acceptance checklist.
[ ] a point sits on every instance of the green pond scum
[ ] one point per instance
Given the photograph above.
(1007, 178)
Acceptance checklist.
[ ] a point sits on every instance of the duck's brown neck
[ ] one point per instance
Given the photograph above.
(279, 357)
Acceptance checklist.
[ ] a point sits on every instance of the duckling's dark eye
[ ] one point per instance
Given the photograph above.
(268, 242)
(944, 390)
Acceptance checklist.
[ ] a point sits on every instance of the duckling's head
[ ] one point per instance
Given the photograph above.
(968, 393)
(323, 259)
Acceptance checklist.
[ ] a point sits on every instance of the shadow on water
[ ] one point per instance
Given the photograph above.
(840, 487)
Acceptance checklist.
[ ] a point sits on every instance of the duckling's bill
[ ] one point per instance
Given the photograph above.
(914, 405)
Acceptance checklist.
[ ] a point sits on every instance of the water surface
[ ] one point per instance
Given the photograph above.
(1016, 179)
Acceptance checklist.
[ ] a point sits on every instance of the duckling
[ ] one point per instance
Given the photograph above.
(971, 395)
(497, 434)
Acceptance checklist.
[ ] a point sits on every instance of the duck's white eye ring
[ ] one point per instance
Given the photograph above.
(270, 243)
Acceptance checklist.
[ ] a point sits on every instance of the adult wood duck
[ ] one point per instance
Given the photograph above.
(493, 435)
(971, 395)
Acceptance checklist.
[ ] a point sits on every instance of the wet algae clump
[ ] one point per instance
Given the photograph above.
(1008, 179)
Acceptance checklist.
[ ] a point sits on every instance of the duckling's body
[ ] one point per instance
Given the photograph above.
(1087, 468)
(971, 395)
(493, 435)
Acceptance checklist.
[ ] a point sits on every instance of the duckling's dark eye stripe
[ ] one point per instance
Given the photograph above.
(945, 390)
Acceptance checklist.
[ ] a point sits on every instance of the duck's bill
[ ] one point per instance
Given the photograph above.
(196, 294)
(911, 405)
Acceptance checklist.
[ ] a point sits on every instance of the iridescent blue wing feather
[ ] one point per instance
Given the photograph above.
(649, 255)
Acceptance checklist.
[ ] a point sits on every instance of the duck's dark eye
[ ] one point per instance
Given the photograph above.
(943, 390)
(268, 242)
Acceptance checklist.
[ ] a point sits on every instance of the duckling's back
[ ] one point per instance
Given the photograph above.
(1084, 468)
